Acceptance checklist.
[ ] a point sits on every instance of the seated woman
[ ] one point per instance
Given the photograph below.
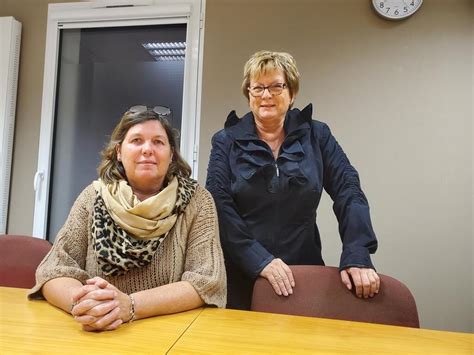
(267, 171)
(140, 241)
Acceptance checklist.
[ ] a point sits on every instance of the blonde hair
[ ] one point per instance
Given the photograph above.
(263, 61)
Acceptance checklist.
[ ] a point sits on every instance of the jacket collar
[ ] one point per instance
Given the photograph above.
(296, 122)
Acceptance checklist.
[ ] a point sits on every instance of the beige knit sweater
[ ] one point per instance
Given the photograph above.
(190, 252)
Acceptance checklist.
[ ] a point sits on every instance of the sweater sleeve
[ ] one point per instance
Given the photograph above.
(67, 257)
(237, 241)
(204, 265)
(351, 207)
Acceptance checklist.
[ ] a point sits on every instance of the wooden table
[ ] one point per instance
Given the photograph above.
(37, 327)
(221, 331)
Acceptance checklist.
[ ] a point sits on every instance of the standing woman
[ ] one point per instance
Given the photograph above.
(140, 241)
(266, 173)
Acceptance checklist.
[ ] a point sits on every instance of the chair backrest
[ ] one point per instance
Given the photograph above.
(319, 292)
(19, 257)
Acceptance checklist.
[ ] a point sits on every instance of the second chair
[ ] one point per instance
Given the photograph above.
(319, 292)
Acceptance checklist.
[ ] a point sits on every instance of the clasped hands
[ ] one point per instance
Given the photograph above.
(366, 280)
(99, 305)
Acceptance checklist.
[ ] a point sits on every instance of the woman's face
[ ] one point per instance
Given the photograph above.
(146, 155)
(268, 107)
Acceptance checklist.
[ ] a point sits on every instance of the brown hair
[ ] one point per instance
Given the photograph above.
(111, 170)
(263, 61)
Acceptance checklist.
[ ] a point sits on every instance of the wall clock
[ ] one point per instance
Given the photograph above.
(396, 9)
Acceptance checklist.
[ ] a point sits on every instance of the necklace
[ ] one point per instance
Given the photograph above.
(275, 145)
(273, 139)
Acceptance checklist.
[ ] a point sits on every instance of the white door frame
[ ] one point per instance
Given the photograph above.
(87, 14)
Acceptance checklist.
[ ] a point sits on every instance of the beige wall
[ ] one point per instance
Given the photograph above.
(33, 16)
(398, 96)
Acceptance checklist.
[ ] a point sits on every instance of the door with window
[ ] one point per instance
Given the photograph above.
(102, 68)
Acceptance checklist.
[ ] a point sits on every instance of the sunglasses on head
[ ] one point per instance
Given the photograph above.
(160, 110)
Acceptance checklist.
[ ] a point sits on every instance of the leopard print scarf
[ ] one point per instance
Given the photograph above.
(117, 249)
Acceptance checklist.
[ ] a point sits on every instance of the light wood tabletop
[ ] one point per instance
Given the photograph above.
(221, 331)
(37, 327)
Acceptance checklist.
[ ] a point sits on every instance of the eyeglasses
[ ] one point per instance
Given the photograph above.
(159, 110)
(274, 89)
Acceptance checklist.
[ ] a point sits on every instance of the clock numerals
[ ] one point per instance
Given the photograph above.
(396, 9)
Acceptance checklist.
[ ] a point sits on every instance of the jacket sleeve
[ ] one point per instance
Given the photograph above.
(67, 257)
(246, 252)
(341, 181)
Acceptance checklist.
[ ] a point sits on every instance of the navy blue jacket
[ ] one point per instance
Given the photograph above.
(267, 207)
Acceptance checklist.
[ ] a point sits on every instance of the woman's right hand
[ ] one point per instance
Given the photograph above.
(280, 277)
(124, 300)
(96, 307)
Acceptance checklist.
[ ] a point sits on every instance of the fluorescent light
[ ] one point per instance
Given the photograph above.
(166, 51)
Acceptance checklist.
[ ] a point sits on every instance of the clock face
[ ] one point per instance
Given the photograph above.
(396, 9)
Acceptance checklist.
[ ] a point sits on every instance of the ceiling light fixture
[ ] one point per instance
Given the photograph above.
(166, 51)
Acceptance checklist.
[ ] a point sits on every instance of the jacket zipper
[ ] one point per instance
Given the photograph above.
(277, 202)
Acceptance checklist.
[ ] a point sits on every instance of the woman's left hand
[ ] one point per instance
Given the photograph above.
(366, 281)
